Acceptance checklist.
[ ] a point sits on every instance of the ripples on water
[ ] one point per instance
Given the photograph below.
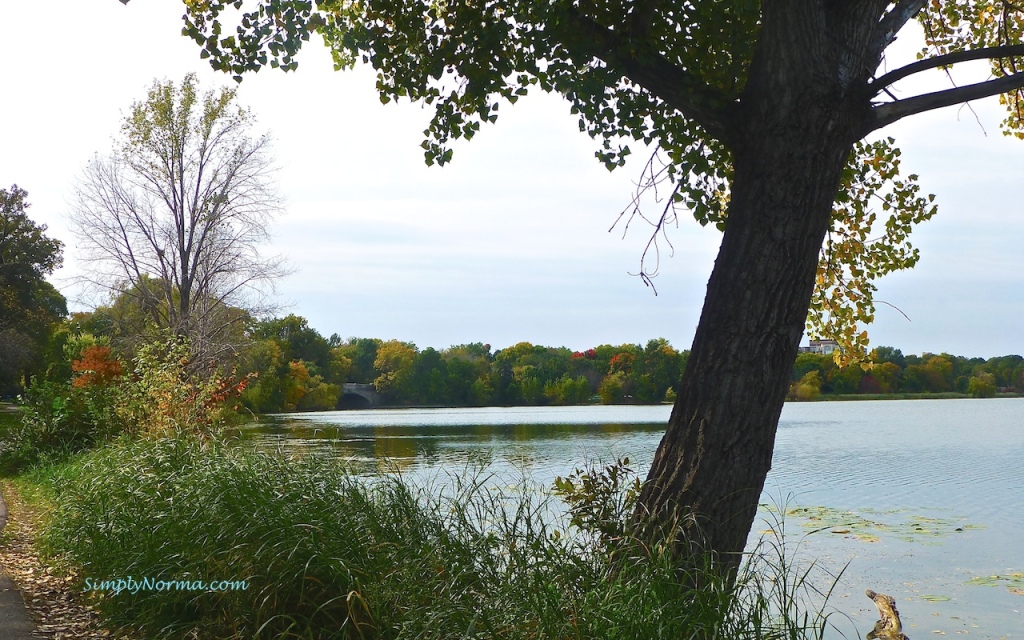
(958, 462)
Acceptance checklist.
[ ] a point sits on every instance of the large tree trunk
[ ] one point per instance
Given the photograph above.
(711, 465)
(717, 451)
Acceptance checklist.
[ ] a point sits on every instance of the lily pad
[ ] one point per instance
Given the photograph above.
(869, 525)
(1012, 581)
(984, 581)
(934, 598)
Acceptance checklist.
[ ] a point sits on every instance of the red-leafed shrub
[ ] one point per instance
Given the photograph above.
(97, 367)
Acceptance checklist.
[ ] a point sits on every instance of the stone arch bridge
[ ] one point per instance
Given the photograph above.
(358, 396)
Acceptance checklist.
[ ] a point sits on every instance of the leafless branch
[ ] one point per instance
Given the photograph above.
(176, 216)
(892, 22)
(656, 172)
(987, 53)
(886, 114)
(889, 304)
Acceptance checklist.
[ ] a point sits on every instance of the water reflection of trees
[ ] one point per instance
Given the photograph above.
(399, 446)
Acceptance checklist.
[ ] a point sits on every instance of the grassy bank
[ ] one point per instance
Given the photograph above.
(326, 554)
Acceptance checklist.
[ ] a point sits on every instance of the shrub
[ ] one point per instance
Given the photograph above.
(612, 388)
(568, 390)
(982, 385)
(160, 397)
(165, 396)
(58, 420)
(97, 367)
(807, 388)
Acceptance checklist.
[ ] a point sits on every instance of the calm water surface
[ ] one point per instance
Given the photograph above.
(920, 499)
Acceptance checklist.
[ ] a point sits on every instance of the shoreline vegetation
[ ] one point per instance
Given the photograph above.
(849, 397)
(300, 370)
(119, 467)
(282, 364)
(329, 554)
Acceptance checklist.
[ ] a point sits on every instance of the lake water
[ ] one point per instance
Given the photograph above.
(922, 499)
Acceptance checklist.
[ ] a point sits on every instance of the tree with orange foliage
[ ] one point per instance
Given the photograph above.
(96, 367)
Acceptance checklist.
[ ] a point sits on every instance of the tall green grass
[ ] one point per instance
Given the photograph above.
(328, 554)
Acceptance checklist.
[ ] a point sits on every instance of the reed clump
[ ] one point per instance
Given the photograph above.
(327, 553)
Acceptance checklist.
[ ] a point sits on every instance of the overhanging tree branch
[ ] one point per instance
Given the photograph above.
(987, 53)
(640, 18)
(681, 90)
(892, 22)
(890, 112)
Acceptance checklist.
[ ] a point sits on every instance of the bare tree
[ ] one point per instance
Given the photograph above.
(174, 218)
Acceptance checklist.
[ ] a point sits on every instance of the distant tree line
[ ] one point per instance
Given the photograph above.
(891, 372)
(293, 367)
(286, 365)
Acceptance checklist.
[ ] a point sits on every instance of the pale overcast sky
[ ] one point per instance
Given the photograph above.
(508, 243)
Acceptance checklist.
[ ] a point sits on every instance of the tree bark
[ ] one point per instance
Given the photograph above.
(796, 135)
(717, 451)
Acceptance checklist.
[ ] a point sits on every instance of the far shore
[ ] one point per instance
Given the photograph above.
(951, 395)
(838, 397)
(10, 407)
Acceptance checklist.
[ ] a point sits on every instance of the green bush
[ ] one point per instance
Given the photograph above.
(807, 388)
(58, 420)
(161, 396)
(568, 390)
(328, 554)
(611, 389)
(982, 385)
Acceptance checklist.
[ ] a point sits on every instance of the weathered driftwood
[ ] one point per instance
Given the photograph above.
(889, 626)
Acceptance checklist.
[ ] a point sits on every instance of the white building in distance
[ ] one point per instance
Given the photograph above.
(824, 347)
